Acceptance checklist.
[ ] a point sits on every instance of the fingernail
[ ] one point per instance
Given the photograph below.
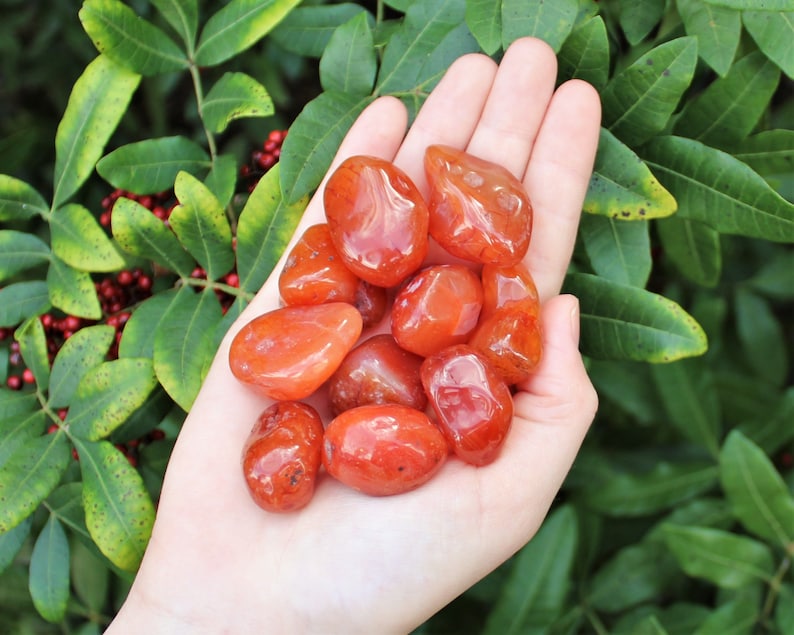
(575, 321)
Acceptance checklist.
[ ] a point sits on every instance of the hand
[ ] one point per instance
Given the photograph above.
(350, 563)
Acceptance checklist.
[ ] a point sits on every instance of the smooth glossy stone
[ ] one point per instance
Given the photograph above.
(508, 286)
(377, 371)
(382, 450)
(288, 353)
(281, 456)
(378, 220)
(479, 211)
(439, 307)
(473, 404)
(371, 302)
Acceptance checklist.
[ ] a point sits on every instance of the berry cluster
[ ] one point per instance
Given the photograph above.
(262, 160)
(231, 279)
(161, 204)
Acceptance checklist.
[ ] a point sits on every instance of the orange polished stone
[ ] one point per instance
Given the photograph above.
(288, 353)
(511, 340)
(508, 286)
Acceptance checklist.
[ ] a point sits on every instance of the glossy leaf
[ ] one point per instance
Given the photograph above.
(99, 98)
(765, 5)
(623, 322)
(79, 240)
(29, 475)
(313, 139)
(140, 233)
(693, 247)
(639, 100)
(638, 19)
(137, 339)
(264, 229)
(107, 395)
(237, 26)
(33, 346)
(717, 30)
(119, 513)
(629, 386)
(768, 152)
(183, 344)
(129, 40)
(21, 300)
(484, 19)
(784, 609)
(622, 186)
(17, 429)
(66, 504)
(234, 96)
(182, 15)
(49, 571)
(222, 178)
(728, 560)
(691, 401)
(585, 53)
(756, 491)
(20, 201)
(739, 616)
(701, 512)
(13, 402)
(762, 337)
(149, 166)
(306, 30)
(535, 592)
(773, 32)
(202, 227)
(20, 251)
(772, 431)
(80, 353)
(90, 576)
(549, 21)
(714, 188)
(11, 542)
(72, 291)
(349, 63)
(729, 109)
(617, 250)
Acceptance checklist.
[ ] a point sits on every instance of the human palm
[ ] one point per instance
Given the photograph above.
(350, 563)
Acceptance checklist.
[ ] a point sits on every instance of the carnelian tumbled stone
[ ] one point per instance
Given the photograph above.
(479, 211)
(383, 449)
(439, 307)
(289, 352)
(472, 402)
(378, 220)
(508, 286)
(510, 339)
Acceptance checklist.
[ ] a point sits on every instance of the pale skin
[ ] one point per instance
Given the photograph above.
(349, 563)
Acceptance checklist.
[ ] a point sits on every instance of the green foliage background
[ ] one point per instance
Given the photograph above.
(678, 516)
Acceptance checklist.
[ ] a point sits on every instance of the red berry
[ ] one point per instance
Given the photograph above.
(266, 161)
(14, 382)
(125, 278)
(72, 323)
(28, 377)
(53, 428)
(232, 279)
(144, 283)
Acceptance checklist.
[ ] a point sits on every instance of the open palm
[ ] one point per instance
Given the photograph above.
(349, 563)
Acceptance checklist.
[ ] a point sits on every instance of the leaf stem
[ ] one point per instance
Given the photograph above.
(774, 588)
(197, 89)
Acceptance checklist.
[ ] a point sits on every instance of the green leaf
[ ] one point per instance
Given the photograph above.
(49, 571)
(763, 5)
(762, 337)
(629, 386)
(182, 15)
(306, 30)
(784, 609)
(693, 247)
(484, 19)
(772, 431)
(184, 344)
(717, 30)
(714, 188)
(234, 96)
(773, 32)
(66, 504)
(90, 577)
(622, 186)
(11, 542)
(773, 279)
(151, 165)
(33, 346)
(730, 108)
(119, 513)
(768, 152)
(735, 617)
(13, 402)
(757, 493)
(20, 201)
(79, 240)
(137, 339)
(99, 98)
(140, 233)
(617, 250)
(535, 593)
(264, 229)
(201, 225)
(691, 401)
(222, 178)
(313, 140)
(237, 26)
(638, 19)
(107, 395)
(17, 429)
(20, 251)
(349, 63)
(29, 475)
(549, 21)
(585, 53)
(623, 322)
(72, 291)
(21, 300)
(80, 353)
(129, 40)
(639, 100)
(728, 560)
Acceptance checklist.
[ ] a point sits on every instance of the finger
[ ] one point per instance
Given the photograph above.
(516, 104)
(557, 179)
